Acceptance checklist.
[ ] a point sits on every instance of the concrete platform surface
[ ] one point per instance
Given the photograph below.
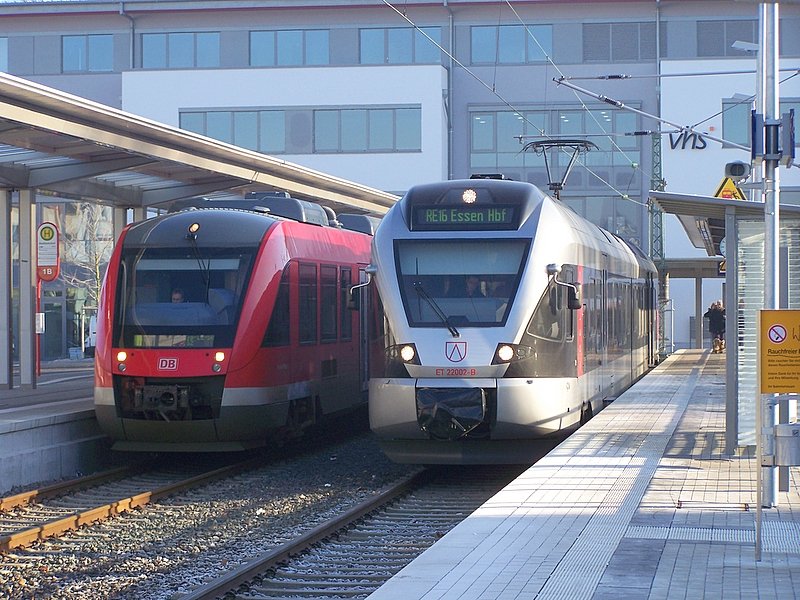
(640, 503)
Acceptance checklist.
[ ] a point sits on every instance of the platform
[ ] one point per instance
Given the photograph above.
(639, 503)
(50, 432)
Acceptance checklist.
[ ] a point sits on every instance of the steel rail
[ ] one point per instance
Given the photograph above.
(258, 565)
(73, 521)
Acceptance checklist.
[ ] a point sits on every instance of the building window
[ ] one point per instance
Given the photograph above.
(716, 38)
(400, 45)
(736, 119)
(260, 130)
(180, 50)
(495, 147)
(511, 44)
(335, 130)
(620, 42)
(368, 130)
(291, 48)
(4, 54)
(87, 53)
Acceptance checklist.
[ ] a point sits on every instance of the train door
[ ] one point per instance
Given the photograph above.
(364, 306)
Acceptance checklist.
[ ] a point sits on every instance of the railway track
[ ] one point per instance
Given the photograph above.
(352, 555)
(54, 510)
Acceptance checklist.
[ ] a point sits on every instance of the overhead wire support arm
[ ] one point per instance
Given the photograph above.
(622, 105)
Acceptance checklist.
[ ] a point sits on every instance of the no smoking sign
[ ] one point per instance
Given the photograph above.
(779, 356)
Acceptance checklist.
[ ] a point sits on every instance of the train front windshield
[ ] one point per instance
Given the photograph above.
(461, 282)
(180, 298)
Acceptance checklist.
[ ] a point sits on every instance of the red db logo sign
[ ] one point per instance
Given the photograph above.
(167, 364)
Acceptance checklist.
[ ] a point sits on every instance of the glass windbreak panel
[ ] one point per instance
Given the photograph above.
(180, 298)
(459, 283)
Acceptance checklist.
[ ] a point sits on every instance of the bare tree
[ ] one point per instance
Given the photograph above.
(88, 242)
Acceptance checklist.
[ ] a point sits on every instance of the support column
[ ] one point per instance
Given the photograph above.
(27, 289)
(698, 311)
(6, 334)
(120, 220)
(139, 214)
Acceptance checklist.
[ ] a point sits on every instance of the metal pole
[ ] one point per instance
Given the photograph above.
(769, 65)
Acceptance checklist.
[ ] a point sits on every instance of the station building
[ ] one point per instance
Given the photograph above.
(396, 93)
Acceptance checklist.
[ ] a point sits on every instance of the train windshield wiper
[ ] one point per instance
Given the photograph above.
(436, 308)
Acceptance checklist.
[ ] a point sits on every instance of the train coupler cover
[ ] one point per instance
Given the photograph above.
(450, 413)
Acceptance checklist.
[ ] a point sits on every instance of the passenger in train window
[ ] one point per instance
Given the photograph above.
(473, 287)
(178, 296)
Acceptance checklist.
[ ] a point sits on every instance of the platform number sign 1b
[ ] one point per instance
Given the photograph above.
(47, 252)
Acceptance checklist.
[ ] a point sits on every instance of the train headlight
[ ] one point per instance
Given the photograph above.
(219, 356)
(405, 353)
(216, 367)
(122, 356)
(507, 353)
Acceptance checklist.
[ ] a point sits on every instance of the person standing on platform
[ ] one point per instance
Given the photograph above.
(716, 325)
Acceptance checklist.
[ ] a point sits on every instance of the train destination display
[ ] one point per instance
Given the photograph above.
(486, 217)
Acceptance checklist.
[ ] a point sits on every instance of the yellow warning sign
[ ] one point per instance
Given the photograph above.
(779, 356)
(727, 189)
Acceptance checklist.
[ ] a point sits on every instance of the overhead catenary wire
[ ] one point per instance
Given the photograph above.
(508, 104)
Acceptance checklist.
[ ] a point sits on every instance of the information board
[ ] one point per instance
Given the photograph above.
(779, 342)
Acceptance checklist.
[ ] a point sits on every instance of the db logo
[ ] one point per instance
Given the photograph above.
(167, 364)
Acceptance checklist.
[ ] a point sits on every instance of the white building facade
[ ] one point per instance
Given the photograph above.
(392, 94)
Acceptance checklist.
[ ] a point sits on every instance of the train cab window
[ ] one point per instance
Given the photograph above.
(179, 297)
(548, 318)
(461, 283)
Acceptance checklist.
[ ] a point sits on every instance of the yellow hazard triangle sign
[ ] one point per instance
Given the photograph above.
(727, 189)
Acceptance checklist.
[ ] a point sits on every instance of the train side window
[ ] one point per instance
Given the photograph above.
(328, 313)
(308, 303)
(547, 321)
(277, 333)
(345, 314)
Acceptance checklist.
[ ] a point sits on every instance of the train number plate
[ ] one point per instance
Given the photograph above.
(456, 372)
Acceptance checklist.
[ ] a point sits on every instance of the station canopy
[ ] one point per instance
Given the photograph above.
(54, 141)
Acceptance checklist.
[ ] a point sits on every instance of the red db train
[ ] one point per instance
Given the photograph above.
(226, 323)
